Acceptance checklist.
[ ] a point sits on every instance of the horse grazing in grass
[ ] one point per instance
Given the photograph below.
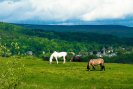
(57, 55)
(76, 58)
(94, 62)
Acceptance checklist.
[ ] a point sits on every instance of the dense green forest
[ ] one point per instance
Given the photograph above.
(18, 40)
(116, 30)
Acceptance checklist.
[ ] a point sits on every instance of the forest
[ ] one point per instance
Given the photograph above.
(19, 40)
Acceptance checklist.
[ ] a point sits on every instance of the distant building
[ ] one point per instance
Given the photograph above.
(91, 53)
(99, 54)
(104, 51)
(111, 55)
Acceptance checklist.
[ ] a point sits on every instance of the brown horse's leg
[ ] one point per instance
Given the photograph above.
(103, 67)
(93, 67)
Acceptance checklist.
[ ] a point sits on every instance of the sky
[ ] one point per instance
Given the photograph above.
(67, 12)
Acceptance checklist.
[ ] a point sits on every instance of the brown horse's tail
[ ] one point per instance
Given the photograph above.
(103, 66)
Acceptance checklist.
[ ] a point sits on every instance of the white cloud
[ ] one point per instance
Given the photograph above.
(111, 9)
(62, 10)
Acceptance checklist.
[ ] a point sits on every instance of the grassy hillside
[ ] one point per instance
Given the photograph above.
(116, 30)
(39, 74)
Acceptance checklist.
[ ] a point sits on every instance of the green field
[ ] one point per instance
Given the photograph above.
(34, 73)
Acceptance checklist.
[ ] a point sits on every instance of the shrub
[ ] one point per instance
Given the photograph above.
(12, 71)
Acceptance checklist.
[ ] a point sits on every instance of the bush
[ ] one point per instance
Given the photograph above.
(12, 71)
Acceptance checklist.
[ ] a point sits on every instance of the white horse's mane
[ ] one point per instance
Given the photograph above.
(56, 55)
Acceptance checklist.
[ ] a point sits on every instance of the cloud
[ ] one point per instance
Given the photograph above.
(14, 10)
(111, 9)
(63, 10)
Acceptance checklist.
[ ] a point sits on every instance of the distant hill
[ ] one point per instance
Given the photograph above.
(52, 38)
(117, 30)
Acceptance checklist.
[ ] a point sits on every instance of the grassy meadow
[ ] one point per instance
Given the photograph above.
(34, 73)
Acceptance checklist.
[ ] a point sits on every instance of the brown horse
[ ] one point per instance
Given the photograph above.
(94, 62)
(76, 59)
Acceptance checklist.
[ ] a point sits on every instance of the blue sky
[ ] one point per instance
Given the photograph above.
(67, 12)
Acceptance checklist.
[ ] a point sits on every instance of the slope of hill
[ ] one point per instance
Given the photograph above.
(13, 37)
(117, 30)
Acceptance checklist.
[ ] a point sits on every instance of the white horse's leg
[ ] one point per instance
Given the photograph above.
(50, 60)
(56, 60)
(64, 59)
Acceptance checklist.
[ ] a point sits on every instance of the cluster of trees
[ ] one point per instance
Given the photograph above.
(16, 40)
(122, 58)
(12, 49)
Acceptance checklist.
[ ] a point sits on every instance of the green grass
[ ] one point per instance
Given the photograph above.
(40, 74)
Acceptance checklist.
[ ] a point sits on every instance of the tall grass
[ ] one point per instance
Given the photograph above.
(12, 71)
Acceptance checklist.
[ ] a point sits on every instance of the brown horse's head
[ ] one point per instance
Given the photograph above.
(88, 67)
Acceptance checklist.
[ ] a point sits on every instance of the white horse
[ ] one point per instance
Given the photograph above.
(56, 55)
